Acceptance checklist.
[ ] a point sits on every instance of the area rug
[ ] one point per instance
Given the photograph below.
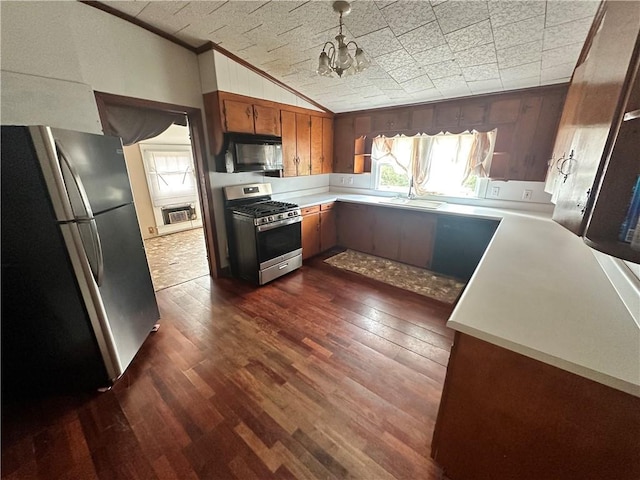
(407, 277)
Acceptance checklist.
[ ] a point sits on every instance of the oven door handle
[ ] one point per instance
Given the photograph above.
(279, 223)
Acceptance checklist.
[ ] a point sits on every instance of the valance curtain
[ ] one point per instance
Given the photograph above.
(135, 124)
(415, 155)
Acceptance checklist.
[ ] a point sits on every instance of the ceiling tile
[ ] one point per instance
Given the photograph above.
(521, 82)
(428, 95)
(379, 42)
(407, 72)
(471, 36)
(485, 86)
(130, 8)
(521, 71)
(558, 72)
(417, 84)
(566, 33)
(476, 55)
(447, 68)
(386, 84)
(454, 82)
(561, 55)
(520, 54)
(393, 60)
(454, 15)
(434, 55)
(503, 12)
(422, 38)
(559, 12)
(518, 33)
(488, 71)
(365, 17)
(405, 16)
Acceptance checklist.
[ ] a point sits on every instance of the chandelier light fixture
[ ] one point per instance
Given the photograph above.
(336, 58)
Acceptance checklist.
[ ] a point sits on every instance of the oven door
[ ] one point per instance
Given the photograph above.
(279, 241)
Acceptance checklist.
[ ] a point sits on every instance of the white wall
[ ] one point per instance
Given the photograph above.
(55, 54)
(218, 72)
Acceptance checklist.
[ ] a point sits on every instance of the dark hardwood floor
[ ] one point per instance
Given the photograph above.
(320, 374)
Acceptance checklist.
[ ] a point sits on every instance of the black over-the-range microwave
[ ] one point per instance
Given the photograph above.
(251, 153)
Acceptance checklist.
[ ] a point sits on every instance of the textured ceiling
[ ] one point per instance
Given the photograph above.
(420, 50)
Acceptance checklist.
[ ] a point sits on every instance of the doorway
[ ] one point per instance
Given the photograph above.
(179, 229)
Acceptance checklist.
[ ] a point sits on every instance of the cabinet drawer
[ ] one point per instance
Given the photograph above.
(327, 206)
(310, 210)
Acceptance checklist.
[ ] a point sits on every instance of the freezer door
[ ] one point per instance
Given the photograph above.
(99, 162)
(126, 291)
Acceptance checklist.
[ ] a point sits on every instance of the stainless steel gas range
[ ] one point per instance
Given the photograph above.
(264, 236)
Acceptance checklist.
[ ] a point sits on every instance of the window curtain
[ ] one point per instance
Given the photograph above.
(479, 160)
(135, 124)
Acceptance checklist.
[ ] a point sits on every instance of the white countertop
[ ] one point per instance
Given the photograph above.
(540, 291)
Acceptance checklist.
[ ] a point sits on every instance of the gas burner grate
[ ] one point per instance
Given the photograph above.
(268, 207)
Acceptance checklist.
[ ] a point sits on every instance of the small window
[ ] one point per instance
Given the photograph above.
(443, 164)
(170, 174)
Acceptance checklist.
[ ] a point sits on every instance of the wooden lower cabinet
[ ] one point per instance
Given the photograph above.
(328, 231)
(392, 233)
(417, 235)
(310, 231)
(504, 415)
(355, 223)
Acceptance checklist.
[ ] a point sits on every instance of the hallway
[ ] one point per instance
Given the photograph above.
(176, 258)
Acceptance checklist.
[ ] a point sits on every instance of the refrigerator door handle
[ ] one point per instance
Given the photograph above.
(98, 271)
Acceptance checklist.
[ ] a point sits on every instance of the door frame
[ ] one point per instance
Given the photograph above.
(196, 131)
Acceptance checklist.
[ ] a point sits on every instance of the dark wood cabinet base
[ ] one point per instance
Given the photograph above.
(507, 416)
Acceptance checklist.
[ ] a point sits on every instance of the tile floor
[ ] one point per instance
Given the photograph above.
(177, 258)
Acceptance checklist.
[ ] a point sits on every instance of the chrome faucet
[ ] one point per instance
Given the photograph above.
(410, 195)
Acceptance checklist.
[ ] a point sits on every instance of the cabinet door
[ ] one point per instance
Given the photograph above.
(386, 232)
(602, 79)
(303, 143)
(355, 227)
(422, 119)
(316, 145)
(504, 111)
(238, 116)
(343, 148)
(447, 116)
(327, 145)
(473, 114)
(311, 234)
(542, 142)
(328, 238)
(267, 121)
(289, 154)
(362, 126)
(395, 121)
(417, 234)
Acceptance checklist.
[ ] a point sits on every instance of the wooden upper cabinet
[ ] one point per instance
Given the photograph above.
(504, 111)
(603, 78)
(521, 156)
(238, 116)
(391, 121)
(316, 145)
(266, 120)
(344, 147)
(327, 145)
(460, 115)
(422, 119)
(303, 143)
(244, 117)
(362, 126)
(289, 147)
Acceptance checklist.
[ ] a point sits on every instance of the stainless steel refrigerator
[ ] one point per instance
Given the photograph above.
(77, 297)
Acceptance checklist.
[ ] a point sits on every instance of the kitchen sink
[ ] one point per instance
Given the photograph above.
(414, 202)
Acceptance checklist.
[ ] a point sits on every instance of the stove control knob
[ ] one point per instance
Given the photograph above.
(270, 219)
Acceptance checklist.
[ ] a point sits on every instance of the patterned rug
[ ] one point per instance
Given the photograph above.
(407, 277)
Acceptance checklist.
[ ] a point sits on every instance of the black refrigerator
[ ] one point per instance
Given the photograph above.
(77, 297)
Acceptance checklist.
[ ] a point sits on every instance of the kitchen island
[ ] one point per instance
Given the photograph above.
(556, 337)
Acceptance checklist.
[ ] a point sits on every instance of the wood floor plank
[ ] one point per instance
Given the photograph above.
(319, 374)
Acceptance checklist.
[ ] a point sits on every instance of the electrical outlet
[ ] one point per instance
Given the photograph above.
(527, 194)
(152, 230)
(342, 179)
(495, 191)
(350, 180)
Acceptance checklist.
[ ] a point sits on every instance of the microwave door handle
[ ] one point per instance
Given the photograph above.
(98, 271)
